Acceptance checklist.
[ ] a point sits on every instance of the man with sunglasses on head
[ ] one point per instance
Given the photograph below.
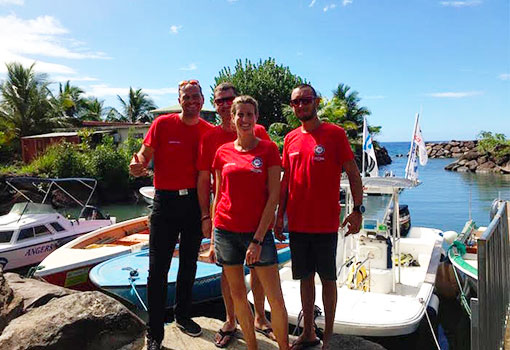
(173, 142)
(224, 95)
(314, 156)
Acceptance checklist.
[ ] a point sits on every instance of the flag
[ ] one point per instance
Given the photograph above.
(412, 164)
(422, 150)
(417, 146)
(368, 148)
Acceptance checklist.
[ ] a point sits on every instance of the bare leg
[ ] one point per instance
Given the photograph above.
(270, 280)
(230, 323)
(307, 303)
(329, 298)
(235, 278)
(258, 300)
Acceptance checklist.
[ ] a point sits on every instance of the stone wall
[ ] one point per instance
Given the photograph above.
(451, 149)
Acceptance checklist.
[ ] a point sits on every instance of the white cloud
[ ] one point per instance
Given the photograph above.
(346, 2)
(458, 4)
(103, 90)
(175, 29)
(504, 76)
(460, 94)
(312, 3)
(12, 2)
(329, 7)
(162, 91)
(27, 41)
(191, 66)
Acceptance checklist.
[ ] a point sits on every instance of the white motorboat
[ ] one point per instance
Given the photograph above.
(385, 280)
(147, 193)
(31, 231)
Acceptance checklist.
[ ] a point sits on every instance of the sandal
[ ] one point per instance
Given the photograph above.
(266, 332)
(226, 338)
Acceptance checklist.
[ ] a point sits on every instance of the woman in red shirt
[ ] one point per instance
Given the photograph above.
(248, 183)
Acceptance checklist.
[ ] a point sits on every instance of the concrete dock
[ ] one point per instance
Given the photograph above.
(176, 340)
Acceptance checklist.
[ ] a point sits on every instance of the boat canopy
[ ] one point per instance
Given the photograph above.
(26, 208)
(389, 182)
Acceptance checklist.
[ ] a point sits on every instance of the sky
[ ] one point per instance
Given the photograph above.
(448, 60)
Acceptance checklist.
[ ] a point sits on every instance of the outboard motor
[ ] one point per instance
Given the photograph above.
(404, 220)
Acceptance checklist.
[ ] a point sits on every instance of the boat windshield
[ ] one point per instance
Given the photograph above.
(26, 208)
(5, 236)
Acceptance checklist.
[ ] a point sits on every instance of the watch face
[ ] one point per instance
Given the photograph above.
(362, 209)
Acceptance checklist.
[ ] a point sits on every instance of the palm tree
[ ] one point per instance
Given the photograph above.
(92, 110)
(138, 107)
(70, 101)
(354, 113)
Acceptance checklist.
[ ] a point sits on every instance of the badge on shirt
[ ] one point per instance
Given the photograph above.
(319, 151)
(257, 164)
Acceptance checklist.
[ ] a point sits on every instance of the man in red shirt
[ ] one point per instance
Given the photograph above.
(173, 142)
(224, 95)
(314, 156)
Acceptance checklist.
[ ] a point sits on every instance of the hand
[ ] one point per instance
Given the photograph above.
(209, 255)
(253, 253)
(354, 223)
(136, 168)
(206, 227)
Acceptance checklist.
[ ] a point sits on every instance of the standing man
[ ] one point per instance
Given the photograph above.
(173, 141)
(313, 158)
(224, 95)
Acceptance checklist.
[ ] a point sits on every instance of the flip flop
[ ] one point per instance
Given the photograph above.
(304, 344)
(266, 332)
(229, 335)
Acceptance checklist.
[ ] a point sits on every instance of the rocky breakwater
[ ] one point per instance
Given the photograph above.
(38, 315)
(469, 157)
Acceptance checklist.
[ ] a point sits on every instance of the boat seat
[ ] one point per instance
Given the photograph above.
(132, 239)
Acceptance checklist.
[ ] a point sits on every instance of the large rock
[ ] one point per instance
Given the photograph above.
(11, 304)
(505, 168)
(85, 321)
(473, 154)
(35, 293)
(472, 165)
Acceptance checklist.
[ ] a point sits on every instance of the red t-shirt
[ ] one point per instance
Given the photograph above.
(313, 164)
(244, 190)
(175, 146)
(213, 139)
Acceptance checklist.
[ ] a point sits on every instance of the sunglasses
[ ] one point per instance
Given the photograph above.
(225, 100)
(304, 101)
(190, 82)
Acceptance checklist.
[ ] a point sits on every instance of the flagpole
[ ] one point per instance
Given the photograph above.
(411, 148)
(363, 148)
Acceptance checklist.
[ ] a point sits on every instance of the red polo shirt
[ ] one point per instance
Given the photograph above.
(313, 164)
(175, 146)
(244, 191)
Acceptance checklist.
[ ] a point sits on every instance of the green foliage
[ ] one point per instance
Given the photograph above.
(495, 144)
(131, 145)
(109, 166)
(137, 107)
(277, 132)
(270, 84)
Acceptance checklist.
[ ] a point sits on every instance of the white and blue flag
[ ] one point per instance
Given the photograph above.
(370, 161)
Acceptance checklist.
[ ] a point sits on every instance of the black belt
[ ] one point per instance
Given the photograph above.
(177, 193)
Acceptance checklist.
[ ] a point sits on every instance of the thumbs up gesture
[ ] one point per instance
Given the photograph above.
(136, 168)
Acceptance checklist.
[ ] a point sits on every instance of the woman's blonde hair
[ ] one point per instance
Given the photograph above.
(243, 100)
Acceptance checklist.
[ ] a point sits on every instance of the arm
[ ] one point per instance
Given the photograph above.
(284, 193)
(210, 254)
(355, 218)
(204, 198)
(138, 165)
(273, 184)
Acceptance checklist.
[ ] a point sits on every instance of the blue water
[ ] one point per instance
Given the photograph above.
(443, 199)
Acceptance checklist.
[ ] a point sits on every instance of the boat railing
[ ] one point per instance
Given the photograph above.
(491, 309)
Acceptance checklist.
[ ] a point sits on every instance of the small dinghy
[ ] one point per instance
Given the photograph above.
(147, 193)
(125, 277)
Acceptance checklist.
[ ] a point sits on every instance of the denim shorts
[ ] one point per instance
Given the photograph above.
(313, 252)
(230, 248)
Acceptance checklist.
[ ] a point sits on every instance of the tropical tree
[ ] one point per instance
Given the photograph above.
(269, 83)
(93, 110)
(136, 108)
(25, 107)
(69, 102)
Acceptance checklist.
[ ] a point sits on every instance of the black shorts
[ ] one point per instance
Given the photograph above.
(230, 248)
(313, 252)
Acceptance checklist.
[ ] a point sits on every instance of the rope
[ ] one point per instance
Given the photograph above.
(432, 330)
(133, 287)
(463, 299)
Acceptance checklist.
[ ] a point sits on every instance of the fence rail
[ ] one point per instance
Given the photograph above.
(490, 309)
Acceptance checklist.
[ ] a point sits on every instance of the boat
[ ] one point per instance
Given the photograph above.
(147, 193)
(125, 277)
(385, 280)
(69, 265)
(31, 231)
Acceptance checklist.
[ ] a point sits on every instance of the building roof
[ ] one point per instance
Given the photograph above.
(61, 134)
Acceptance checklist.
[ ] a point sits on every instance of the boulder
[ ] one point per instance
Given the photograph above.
(11, 304)
(447, 147)
(455, 149)
(462, 169)
(454, 143)
(34, 292)
(472, 165)
(473, 154)
(489, 165)
(457, 155)
(85, 321)
(437, 146)
(482, 159)
(469, 144)
(505, 168)
(462, 161)
(440, 153)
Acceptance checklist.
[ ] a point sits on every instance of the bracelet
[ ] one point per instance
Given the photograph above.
(205, 217)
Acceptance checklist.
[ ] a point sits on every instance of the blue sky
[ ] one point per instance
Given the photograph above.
(450, 59)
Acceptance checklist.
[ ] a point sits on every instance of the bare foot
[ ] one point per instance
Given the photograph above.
(304, 342)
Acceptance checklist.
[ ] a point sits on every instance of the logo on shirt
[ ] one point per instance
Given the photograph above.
(319, 152)
(257, 164)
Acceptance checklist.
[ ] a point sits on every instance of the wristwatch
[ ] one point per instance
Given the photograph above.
(256, 241)
(359, 208)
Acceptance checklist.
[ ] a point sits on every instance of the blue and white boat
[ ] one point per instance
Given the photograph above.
(125, 277)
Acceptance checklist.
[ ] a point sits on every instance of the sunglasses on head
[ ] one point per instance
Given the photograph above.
(190, 82)
(224, 100)
(304, 101)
